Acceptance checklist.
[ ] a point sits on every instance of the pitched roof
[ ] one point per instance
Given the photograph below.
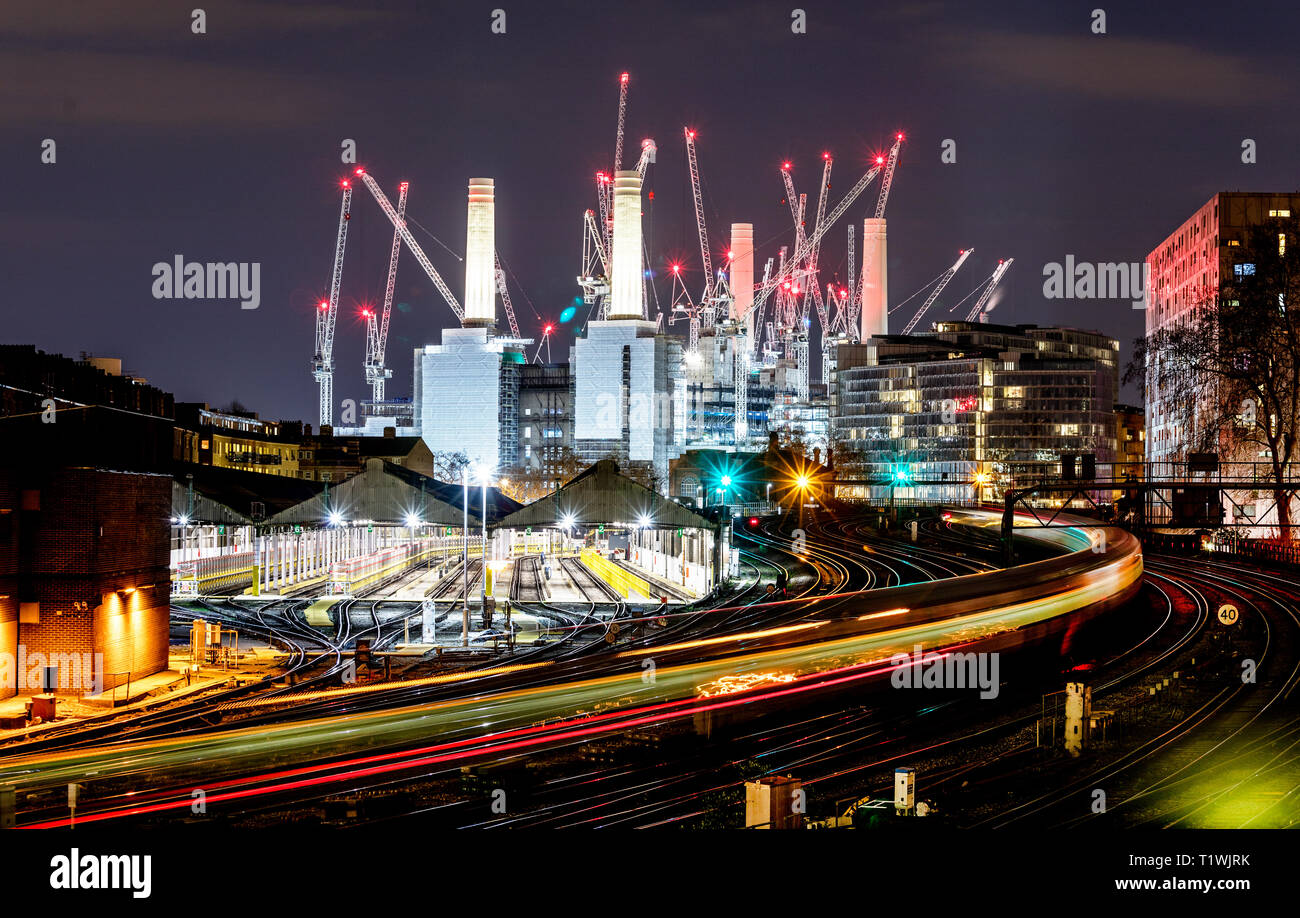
(602, 495)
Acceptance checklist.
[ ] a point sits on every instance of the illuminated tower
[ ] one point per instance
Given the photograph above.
(480, 252)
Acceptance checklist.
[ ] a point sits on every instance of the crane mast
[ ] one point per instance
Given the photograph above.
(886, 183)
(400, 224)
(377, 326)
(934, 294)
(976, 312)
(505, 296)
(327, 312)
(766, 289)
(700, 225)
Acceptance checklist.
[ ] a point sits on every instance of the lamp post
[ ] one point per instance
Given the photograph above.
(464, 561)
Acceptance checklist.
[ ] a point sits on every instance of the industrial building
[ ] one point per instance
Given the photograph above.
(625, 371)
(925, 415)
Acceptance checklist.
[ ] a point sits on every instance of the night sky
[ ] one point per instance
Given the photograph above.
(226, 147)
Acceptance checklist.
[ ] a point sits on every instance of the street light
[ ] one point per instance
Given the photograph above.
(484, 474)
(464, 559)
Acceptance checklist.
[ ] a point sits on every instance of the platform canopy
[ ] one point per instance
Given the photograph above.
(204, 494)
(388, 494)
(601, 495)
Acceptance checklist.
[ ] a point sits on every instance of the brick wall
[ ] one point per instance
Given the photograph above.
(85, 537)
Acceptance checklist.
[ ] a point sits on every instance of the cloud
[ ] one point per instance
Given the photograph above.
(1112, 67)
(143, 90)
(141, 20)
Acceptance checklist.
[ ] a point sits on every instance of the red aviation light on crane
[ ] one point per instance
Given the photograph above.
(677, 269)
(622, 77)
(899, 135)
(547, 329)
(345, 183)
(785, 166)
(404, 185)
(360, 171)
(731, 256)
(324, 304)
(690, 134)
(844, 292)
(880, 160)
(826, 156)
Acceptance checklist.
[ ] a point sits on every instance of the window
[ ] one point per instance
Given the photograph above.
(1245, 269)
(528, 433)
(528, 411)
(1279, 213)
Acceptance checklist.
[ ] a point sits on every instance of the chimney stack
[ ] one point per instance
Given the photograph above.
(742, 270)
(480, 256)
(626, 300)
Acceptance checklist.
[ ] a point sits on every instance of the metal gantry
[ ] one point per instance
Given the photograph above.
(327, 312)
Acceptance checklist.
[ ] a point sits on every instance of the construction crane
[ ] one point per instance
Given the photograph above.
(934, 294)
(505, 295)
(764, 290)
(711, 303)
(886, 183)
(327, 311)
(377, 326)
(399, 222)
(978, 311)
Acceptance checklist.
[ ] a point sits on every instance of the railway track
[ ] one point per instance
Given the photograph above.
(592, 588)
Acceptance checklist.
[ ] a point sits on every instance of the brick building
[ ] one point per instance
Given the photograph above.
(85, 500)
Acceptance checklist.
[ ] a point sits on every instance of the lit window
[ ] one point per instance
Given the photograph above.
(1243, 270)
(1281, 243)
(1279, 213)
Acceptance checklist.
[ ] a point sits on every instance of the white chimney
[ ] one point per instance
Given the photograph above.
(627, 293)
(480, 255)
(875, 279)
(742, 269)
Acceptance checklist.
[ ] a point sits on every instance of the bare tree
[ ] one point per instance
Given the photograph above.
(448, 465)
(1229, 371)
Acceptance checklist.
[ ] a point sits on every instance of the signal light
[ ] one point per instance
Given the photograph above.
(785, 166)
(548, 329)
(879, 160)
(753, 521)
(360, 171)
(324, 304)
(622, 78)
(346, 183)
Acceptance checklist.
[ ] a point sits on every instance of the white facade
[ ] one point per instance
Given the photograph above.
(624, 376)
(457, 394)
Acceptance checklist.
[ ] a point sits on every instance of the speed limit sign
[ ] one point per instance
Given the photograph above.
(1228, 614)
